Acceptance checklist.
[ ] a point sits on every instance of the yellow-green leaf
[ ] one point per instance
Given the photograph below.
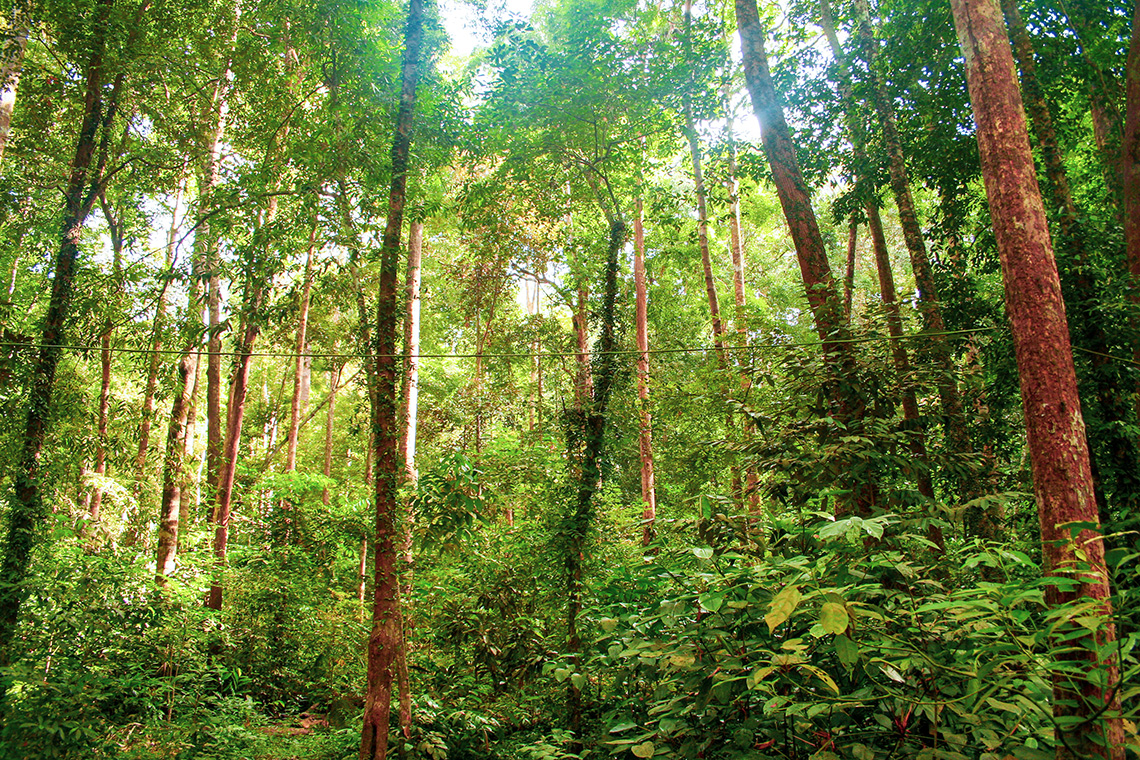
(833, 617)
(645, 749)
(782, 607)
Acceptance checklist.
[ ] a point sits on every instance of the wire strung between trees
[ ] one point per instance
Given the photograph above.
(524, 355)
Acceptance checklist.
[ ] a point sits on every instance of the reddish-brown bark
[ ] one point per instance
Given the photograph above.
(411, 392)
(385, 638)
(1062, 478)
(645, 426)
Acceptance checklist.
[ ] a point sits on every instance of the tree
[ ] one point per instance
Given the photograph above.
(1061, 474)
(385, 638)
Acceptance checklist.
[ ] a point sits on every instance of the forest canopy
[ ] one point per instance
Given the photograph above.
(613, 379)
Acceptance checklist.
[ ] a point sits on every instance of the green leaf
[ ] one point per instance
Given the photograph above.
(847, 651)
(702, 552)
(833, 617)
(712, 601)
(622, 727)
(782, 607)
(645, 749)
(578, 680)
(561, 674)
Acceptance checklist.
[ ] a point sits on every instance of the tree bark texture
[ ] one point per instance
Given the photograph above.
(1054, 428)
(385, 638)
(645, 421)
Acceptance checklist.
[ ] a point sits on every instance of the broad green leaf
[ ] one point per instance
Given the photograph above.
(782, 607)
(681, 660)
(645, 749)
(833, 617)
(578, 680)
(702, 552)
(712, 601)
(847, 651)
(622, 727)
(608, 624)
(561, 674)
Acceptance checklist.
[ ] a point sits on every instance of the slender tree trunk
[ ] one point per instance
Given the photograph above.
(583, 381)
(299, 360)
(645, 429)
(26, 510)
(1054, 428)
(330, 422)
(928, 305)
(408, 457)
(178, 443)
(902, 363)
(849, 278)
(188, 477)
(211, 175)
(411, 392)
(12, 45)
(238, 391)
(155, 360)
(116, 230)
(735, 237)
(385, 639)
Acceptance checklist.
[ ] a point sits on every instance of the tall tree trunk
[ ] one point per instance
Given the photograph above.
(13, 42)
(299, 345)
(902, 362)
(155, 359)
(116, 230)
(411, 391)
(1062, 479)
(385, 638)
(178, 444)
(645, 427)
(211, 175)
(330, 423)
(26, 510)
(928, 305)
(735, 236)
(1130, 165)
(1079, 291)
(410, 396)
(593, 434)
(815, 269)
(849, 277)
(238, 392)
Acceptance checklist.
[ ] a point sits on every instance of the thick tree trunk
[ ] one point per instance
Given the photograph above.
(1054, 428)
(928, 305)
(299, 350)
(1080, 292)
(645, 427)
(385, 639)
(26, 510)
